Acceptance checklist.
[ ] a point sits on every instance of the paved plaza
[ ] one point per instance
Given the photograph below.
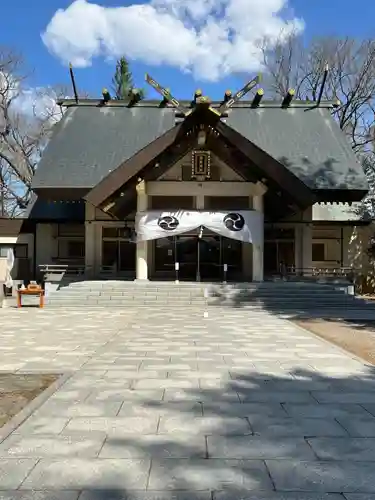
(158, 405)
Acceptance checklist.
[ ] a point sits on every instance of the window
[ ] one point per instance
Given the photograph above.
(318, 252)
(70, 230)
(4, 251)
(71, 249)
(20, 251)
(76, 249)
(110, 232)
(117, 232)
(278, 233)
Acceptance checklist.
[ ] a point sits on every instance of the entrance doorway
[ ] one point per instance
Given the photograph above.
(118, 253)
(279, 250)
(200, 257)
(278, 254)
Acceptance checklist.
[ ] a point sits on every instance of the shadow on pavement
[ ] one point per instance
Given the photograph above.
(256, 436)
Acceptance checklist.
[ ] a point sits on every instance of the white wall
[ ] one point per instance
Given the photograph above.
(22, 239)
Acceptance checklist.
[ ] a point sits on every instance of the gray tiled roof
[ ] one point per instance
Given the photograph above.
(308, 141)
(89, 142)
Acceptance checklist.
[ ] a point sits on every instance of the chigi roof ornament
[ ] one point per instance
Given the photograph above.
(227, 102)
(219, 109)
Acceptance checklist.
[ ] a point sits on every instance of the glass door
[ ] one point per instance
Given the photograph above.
(285, 253)
(232, 257)
(187, 256)
(165, 257)
(278, 257)
(109, 256)
(209, 248)
(271, 266)
(126, 256)
(118, 257)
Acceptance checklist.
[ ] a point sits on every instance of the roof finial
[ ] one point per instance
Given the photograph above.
(73, 82)
(325, 74)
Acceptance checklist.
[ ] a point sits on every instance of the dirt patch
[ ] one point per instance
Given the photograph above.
(355, 337)
(16, 391)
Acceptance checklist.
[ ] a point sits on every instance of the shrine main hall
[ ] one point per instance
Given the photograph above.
(194, 190)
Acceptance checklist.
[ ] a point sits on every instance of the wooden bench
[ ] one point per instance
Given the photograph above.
(33, 290)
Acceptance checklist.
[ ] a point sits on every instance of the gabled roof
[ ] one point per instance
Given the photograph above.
(92, 141)
(307, 141)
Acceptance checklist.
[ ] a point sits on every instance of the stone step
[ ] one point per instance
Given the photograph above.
(280, 304)
(194, 286)
(325, 290)
(130, 293)
(159, 302)
(280, 297)
(304, 305)
(288, 297)
(128, 298)
(186, 293)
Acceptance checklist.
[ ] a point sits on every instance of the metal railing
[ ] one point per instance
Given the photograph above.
(57, 272)
(65, 269)
(344, 272)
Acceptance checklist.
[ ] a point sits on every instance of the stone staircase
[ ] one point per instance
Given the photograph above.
(122, 294)
(293, 299)
(302, 299)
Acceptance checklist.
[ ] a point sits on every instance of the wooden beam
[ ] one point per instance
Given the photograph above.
(151, 172)
(124, 205)
(108, 186)
(229, 157)
(271, 167)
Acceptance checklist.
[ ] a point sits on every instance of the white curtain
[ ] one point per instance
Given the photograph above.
(243, 225)
(9, 264)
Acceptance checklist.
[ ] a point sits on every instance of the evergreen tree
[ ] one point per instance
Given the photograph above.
(122, 81)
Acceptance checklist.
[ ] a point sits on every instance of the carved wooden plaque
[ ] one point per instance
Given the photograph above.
(200, 165)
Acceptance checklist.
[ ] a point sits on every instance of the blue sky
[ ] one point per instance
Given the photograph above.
(28, 20)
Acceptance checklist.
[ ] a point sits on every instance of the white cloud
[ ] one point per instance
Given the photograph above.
(210, 38)
(39, 102)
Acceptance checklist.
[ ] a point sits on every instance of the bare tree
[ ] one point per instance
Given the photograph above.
(27, 117)
(351, 79)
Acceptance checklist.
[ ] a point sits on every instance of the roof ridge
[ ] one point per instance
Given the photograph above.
(155, 104)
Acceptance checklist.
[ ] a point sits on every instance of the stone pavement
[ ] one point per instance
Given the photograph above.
(174, 405)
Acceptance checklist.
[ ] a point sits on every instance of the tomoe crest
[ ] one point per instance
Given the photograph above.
(168, 223)
(234, 221)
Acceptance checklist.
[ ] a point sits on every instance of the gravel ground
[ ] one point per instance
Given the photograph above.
(16, 391)
(355, 337)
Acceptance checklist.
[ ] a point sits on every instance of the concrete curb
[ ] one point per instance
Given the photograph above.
(26, 412)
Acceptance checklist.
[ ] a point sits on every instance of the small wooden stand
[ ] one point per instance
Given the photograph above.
(35, 290)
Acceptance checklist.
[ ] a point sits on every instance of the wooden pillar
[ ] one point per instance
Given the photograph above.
(258, 250)
(142, 246)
